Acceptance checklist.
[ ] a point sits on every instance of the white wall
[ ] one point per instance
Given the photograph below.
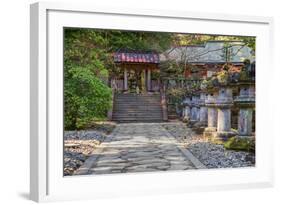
(14, 109)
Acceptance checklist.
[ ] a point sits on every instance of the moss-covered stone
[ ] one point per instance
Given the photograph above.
(240, 143)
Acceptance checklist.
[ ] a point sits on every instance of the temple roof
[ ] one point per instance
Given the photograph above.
(132, 56)
(210, 52)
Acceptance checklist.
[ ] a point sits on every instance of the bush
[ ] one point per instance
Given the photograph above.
(240, 143)
(85, 97)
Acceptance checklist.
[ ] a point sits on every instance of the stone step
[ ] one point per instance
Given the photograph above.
(140, 104)
(138, 98)
(143, 108)
(137, 103)
(137, 108)
(137, 111)
(135, 95)
(137, 118)
(173, 116)
(138, 115)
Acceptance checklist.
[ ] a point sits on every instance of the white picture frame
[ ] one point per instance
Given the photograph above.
(46, 159)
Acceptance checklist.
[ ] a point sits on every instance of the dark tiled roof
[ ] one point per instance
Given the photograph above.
(135, 57)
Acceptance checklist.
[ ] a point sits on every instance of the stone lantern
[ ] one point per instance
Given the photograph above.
(224, 103)
(195, 108)
(246, 103)
(187, 109)
(211, 129)
(246, 99)
(203, 113)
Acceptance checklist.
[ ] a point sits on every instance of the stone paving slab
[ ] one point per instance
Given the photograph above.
(138, 147)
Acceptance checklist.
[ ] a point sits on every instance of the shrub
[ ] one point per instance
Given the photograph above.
(85, 97)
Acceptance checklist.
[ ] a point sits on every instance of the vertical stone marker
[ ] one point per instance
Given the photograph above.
(186, 109)
(197, 105)
(148, 80)
(125, 79)
(212, 115)
(246, 102)
(224, 102)
(194, 109)
(203, 118)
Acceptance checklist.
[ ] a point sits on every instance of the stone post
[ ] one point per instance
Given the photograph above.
(163, 101)
(186, 109)
(142, 83)
(246, 103)
(212, 115)
(203, 118)
(194, 109)
(148, 80)
(125, 80)
(224, 103)
(197, 105)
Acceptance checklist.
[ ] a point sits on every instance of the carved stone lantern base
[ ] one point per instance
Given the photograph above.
(210, 132)
(224, 135)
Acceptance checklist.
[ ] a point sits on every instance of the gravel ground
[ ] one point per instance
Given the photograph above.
(210, 154)
(216, 156)
(180, 131)
(78, 145)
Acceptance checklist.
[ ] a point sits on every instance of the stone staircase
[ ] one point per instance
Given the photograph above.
(131, 107)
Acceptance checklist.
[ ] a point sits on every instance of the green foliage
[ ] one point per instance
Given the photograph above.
(176, 94)
(85, 97)
(249, 41)
(205, 84)
(87, 47)
(138, 40)
(223, 77)
(170, 68)
(240, 143)
(243, 75)
(193, 87)
(88, 66)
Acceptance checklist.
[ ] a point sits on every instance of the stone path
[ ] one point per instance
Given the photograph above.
(137, 147)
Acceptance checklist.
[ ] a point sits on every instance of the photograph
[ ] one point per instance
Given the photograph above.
(143, 101)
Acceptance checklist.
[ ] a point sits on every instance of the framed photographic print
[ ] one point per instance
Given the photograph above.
(127, 102)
